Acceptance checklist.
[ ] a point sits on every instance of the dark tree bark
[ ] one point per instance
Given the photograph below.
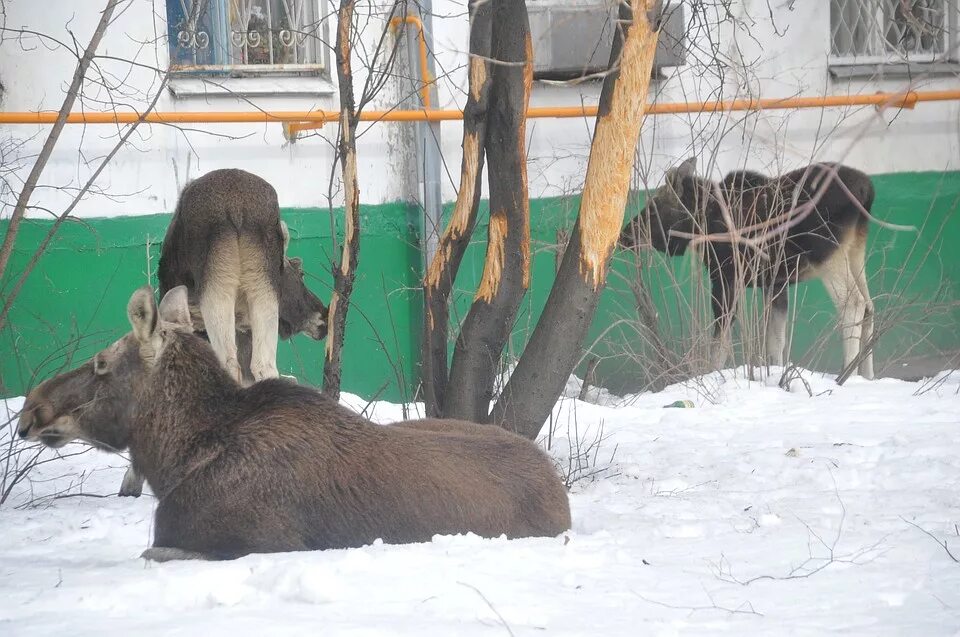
(442, 273)
(345, 272)
(506, 271)
(556, 342)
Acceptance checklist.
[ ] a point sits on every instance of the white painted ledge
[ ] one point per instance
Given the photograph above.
(895, 70)
(184, 87)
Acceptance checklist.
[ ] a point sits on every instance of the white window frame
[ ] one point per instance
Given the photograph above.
(247, 79)
(950, 44)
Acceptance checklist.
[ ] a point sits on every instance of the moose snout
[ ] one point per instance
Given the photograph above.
(33, 416)
(316, 327)
(26, 421)
(39, 422)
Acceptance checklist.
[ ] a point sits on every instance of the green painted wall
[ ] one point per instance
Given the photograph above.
(73, 303)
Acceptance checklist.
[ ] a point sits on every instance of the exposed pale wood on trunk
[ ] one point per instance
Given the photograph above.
(556, 342)
(506, 274)
(345, 273)
(442, 272)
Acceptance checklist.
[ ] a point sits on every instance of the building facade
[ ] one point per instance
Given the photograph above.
(231, 56)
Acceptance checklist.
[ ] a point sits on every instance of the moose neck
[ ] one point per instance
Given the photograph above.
(186, 394)
(703, 207)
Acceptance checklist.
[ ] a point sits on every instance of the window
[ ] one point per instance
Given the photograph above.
(880, 31)
(572, 39)
(236, 38)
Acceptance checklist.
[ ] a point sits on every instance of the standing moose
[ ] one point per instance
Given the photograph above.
(806, 224)
(278, 466)
(227, 244)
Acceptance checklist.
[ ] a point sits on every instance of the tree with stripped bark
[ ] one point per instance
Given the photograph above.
(344, 273)
(379, 65)
(501, 72)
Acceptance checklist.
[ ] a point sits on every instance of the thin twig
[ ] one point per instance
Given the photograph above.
(503, 621)
(942, 543)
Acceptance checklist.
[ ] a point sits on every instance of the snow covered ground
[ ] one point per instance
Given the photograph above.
(758, 511)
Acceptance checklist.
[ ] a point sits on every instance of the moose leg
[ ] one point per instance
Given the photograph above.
(263, 310)
(218, 299)
(244, 354)
(843, 288)
(169, 553)
(866, 333)
(722, 296)
(776, 337)
(859, 272)
(264, 318)
(132, 485)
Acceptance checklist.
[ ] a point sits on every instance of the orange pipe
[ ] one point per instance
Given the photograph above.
(422, 41)
(291, 129)
(900, 100)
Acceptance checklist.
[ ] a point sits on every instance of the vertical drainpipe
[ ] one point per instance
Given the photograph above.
(428, 144)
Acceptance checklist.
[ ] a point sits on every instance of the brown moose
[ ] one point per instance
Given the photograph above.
(277, 466)
(810, 223)
(227, 244)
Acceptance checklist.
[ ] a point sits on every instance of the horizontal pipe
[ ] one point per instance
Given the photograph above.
(899, 100)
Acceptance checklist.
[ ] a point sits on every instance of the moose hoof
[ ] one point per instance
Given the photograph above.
(169, 554)
(132, 485)
(263, 372)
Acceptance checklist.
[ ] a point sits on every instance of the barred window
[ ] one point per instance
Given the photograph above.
(246, 37)
(892, 30)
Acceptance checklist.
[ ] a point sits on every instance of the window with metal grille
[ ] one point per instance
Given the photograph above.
(246, 37)
(877, 31)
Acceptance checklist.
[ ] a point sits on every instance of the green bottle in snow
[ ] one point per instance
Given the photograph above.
(681, 404)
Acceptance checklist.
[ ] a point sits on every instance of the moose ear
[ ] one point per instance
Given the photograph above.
(174, 308)
(285, 232)
(101, 363)
(142, 312)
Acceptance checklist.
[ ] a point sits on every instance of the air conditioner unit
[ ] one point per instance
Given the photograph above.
(572, 39)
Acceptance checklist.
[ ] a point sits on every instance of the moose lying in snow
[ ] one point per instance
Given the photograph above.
(808, 223)
(277, 466)
(227, 244)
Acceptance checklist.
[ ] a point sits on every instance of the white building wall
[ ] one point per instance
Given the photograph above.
(779, 55)
(763, 56)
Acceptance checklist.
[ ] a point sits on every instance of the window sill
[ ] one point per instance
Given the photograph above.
(896, 70)
(195, 86)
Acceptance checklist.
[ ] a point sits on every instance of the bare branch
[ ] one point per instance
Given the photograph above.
(72, 92)
(941, 543)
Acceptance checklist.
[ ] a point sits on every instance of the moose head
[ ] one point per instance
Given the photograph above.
(669, 207)
(96, 401)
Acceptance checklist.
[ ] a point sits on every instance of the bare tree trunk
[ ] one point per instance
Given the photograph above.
(555, 344)
(344, 273)
(506, 272)
(23, 200)
(442, 273)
